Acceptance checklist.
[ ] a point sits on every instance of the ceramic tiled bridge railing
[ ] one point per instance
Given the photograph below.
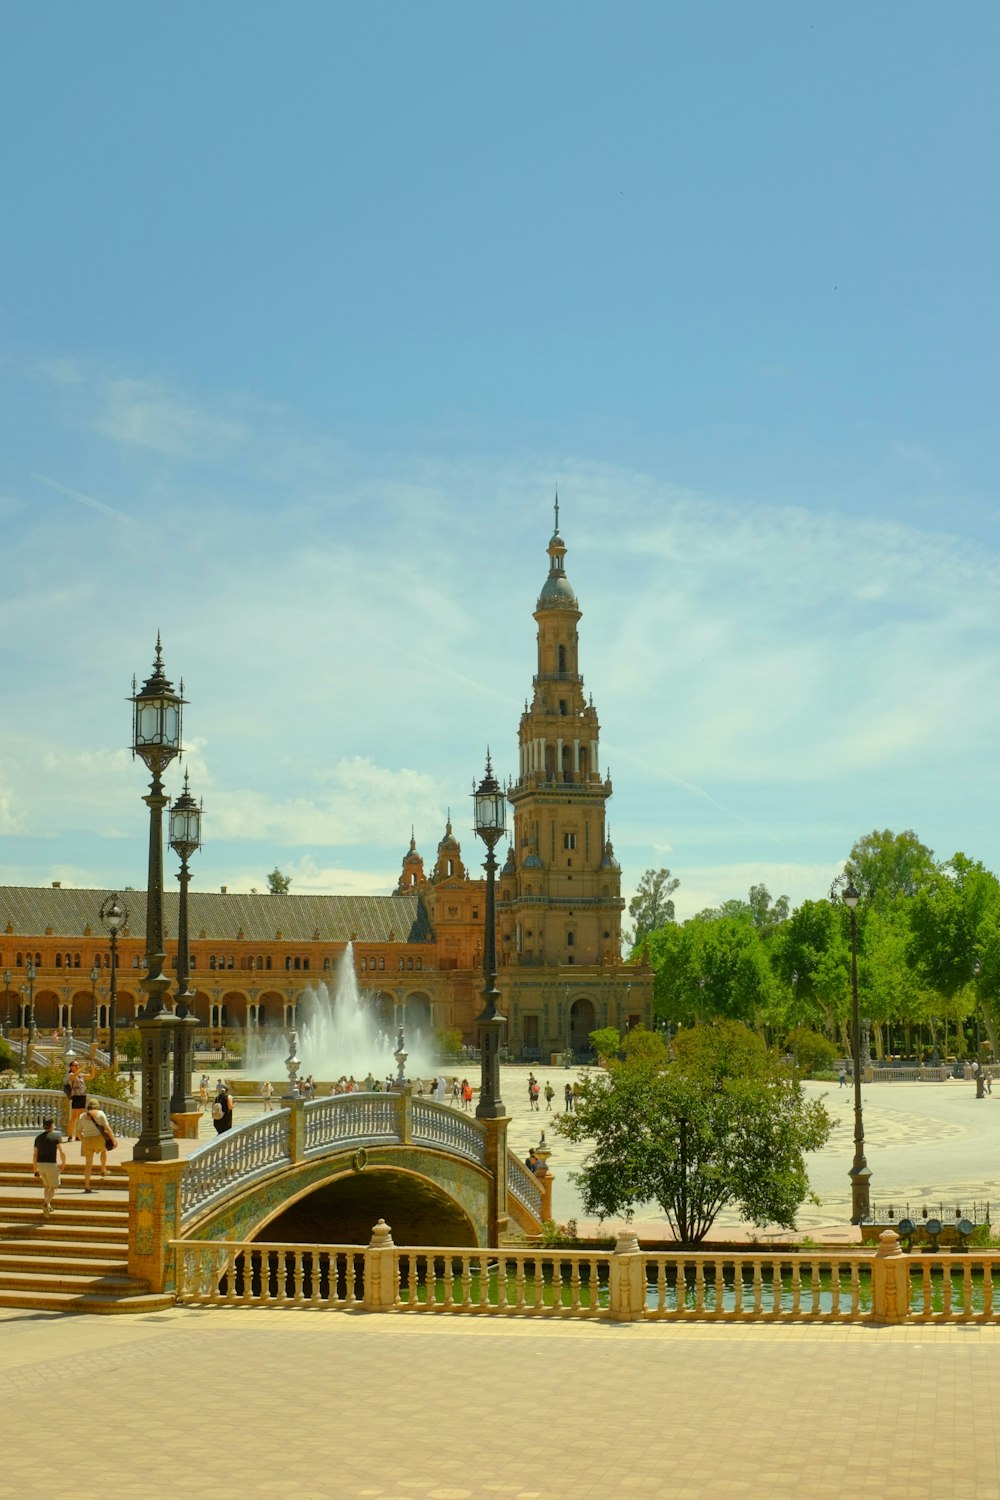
(626, 1285)
(252, 1151)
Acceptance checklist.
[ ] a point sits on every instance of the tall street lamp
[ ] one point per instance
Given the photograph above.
(488, 801)
(156, 739)
(185, 839)
(7, 977)
(31, 1015)
(859, 1174)
(95, 974)
(114, 916)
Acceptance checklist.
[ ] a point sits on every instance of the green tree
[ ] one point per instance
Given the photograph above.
(698, 1135)
(605, 1043)
(651, 906)
(886, 866)
(277, 883)
(642, 1046)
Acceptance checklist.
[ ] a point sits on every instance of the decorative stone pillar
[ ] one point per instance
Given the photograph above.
(628, 1280)
(496, 1165)
(380, 1270)
(296, 1107)
(544, 1177)
(890, 1281)
(154, 1219)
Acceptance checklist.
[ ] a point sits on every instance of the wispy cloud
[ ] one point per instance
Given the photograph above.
(98, 505)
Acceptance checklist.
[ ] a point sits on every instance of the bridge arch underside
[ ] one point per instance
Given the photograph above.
(426, 1198)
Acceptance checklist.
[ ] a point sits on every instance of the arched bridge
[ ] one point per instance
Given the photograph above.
(357, 1152)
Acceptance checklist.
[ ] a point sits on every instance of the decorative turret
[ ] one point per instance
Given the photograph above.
(412, 877)
(449, 864)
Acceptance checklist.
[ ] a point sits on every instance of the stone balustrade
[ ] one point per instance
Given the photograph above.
(23, 1110)
(438, 1125)
(522, 1185)
(625, 1285)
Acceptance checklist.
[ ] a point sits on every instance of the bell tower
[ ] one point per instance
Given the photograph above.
(560, 890)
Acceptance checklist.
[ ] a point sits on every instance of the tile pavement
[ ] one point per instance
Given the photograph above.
(248, 1402)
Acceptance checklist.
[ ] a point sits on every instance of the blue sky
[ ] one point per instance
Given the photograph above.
(309, 308)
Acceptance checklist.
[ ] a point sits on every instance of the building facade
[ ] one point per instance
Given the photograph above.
(417, 954)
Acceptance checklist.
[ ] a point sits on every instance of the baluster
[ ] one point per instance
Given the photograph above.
(231, 1273)
(699, 1285)
(519, 1304)
(501, 1301)
(738, 1286)
(758, 1289)
(574, 1284)
(968, 1310)
(946, 1289)
(466, 1283)
(299, 1269)
(796, 1288)
(987, 1289)
(539, 1269)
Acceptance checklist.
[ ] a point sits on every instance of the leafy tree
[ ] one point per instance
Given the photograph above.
(698, 1135)
(605, 1042)
(813, 1053)
(651, 906)
(886, 866)
(277, 883)
(642, 1046)
(7, 1059)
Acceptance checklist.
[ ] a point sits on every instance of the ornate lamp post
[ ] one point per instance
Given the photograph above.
(7, 977)
(95, 974)
(114, 916)
(488, 800)
(859, 1174)
(31, 1014)
(156, 739)
(185, 839)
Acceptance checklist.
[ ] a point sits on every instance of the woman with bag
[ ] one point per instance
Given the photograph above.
(95, 1135)
(75, 1089)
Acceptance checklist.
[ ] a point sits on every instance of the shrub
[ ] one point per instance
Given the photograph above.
(448, 1043)
(7, 1057)
(128, 1045)
(108, 1084)
(606, 1043)
(813, 1052)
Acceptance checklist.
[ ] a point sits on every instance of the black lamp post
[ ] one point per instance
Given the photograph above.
(94, 976)
(185, 838)
(31, 1015)
(859, 1174)
(7, 977)
(488, 800)
(156, 739)
(114, 916)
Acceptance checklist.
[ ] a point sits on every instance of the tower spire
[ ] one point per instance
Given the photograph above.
(557, 510)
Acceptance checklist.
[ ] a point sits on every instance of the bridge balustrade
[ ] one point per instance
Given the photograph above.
(23, 1110)
(439, 1125)
(236, 1157)
(522, 1184)
(346, 1118)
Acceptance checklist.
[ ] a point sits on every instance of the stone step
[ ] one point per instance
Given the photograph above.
(29, 1214)
(88, 1302)
(31, 1247)
(33, 1224)
(11, 1181)
(116, 1282)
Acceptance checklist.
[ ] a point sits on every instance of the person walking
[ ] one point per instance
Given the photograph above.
(222, 1109)
(550, 1094)
(466, 1094)
(47, 1160)
(95, 1136)
(75, 1088)
(266, 1093)
(203, 1091)
(568, 1100)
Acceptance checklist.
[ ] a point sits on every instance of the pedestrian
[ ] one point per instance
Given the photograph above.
(531, 1161)
(466, 1094)
(75, 1088)
(203, 1091)
(550, 1094)
(47, 1159)
(568, 1098)
(266, 1092)
(534, 1093)
(439, 1088)
(842, 1075)
(131, 1083)
(222, 1109)
(456, 1092)
(95, 1136)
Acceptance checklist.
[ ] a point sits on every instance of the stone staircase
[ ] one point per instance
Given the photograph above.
(76, 1259)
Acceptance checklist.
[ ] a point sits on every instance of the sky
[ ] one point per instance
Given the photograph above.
(309, 309)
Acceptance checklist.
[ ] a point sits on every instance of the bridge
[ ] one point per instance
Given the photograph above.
(317, 1169)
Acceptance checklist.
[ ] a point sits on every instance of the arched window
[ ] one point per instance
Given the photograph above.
(135, 960)
(326, 964)
(211, 961)
(20, 960)
(305, 963)
(562, 658)
(231, 964)
(401, 964)
(381, 963)
(76, 960)
(58, 960)
(267, 962)
(409, 963)
(288, 963)
(298, 963)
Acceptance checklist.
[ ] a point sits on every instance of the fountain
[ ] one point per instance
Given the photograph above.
(338, 1036)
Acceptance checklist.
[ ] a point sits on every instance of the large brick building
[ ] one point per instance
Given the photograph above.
(418, 952)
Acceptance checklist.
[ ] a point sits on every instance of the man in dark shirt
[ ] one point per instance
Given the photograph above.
(47, 1159)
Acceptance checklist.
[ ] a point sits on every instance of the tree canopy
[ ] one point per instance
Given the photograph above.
(722, 1125)
(651, 905)
(277, 883)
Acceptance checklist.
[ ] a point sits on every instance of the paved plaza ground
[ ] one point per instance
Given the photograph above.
(356, 1406)
(246, 1403)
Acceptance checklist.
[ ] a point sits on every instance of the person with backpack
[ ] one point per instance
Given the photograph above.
(533, 1093)
(222, 1110)
(550, 1094)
